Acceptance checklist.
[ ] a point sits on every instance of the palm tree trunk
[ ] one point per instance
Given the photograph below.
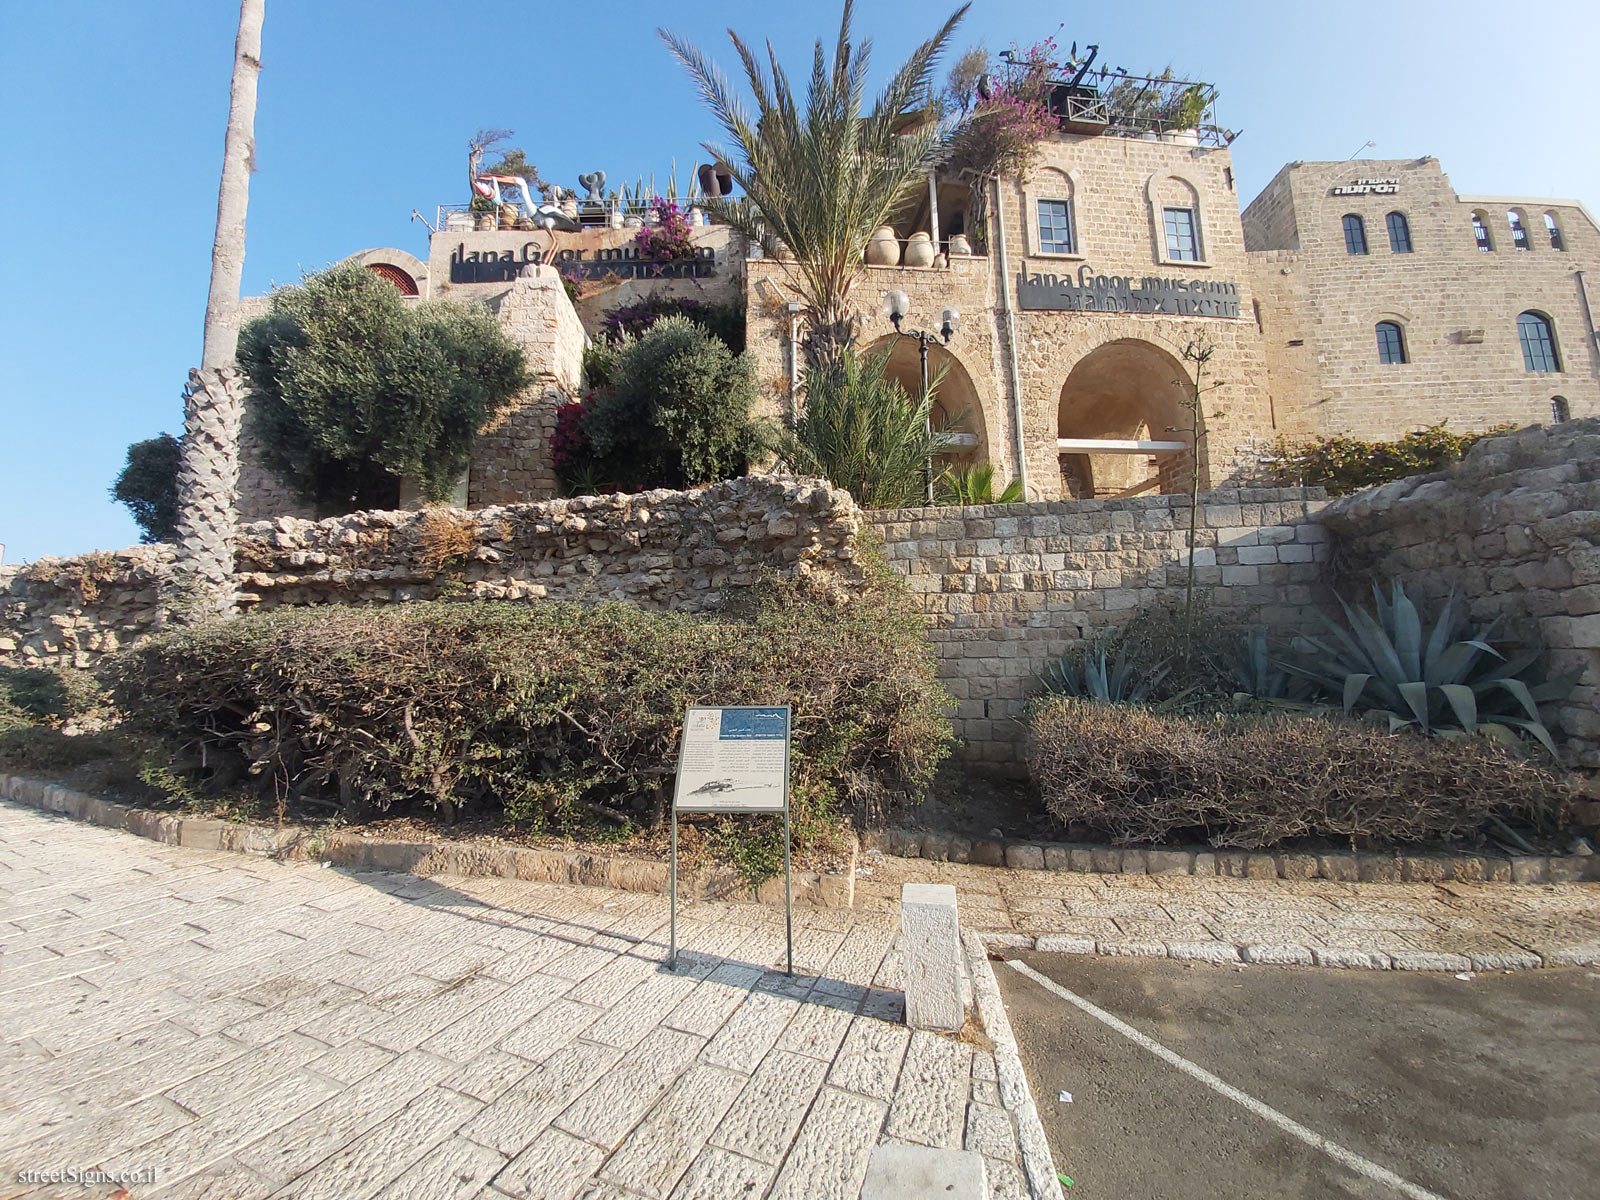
(213, 403)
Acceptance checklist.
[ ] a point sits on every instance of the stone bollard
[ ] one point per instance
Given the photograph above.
(930, 956)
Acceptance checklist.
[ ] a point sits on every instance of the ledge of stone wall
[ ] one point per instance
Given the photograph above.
(1397, 866)
(355, 852)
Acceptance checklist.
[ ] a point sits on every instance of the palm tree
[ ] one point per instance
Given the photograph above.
(213, 401)
(820, 178)
(862, 432)
(975, 485)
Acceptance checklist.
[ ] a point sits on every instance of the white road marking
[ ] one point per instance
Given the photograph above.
(1266, 1112)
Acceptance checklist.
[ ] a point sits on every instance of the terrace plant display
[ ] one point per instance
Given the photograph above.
(862, 432)
(354, 388)
(820, 171)
(671, 238)
(1387, 665)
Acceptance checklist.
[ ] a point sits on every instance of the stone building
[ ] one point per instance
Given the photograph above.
(1388, 302)
(1360, 297)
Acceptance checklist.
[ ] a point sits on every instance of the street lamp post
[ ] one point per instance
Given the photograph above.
(899, 306)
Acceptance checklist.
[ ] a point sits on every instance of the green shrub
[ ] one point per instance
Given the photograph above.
(1387, 665)
(1345, 464)
(1138, 776)
(354, 388)
(148, 485)
(674, 410)
(975, 485)
(46, 695)
(862, 432)
(534, 709)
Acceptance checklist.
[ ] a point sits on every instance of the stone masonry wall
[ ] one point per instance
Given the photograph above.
(657, 549)
(1514, 527)
(1006, 588)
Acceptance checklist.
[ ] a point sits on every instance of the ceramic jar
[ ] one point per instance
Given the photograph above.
(883, 248)
(919, 250)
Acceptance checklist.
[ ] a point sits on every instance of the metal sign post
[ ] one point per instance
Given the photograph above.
(734, 760)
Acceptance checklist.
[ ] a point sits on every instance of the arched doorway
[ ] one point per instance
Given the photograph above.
(1123, 423)
(956, 405)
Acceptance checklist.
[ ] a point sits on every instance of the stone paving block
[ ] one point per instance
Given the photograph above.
(455, 1169)
(516, 1118)
(1427, 960)
(1131, 947)
(819, 1026)
(935, 1079)
(486, 1076)
(1332, 956)
(1202, 951)
(1065, 943)
(750, 1032)
(659, 1150)
(717, 1174)
(605, 1111)
(829, 1157)
(763, 1120)
(554, 1027)
(555, 1166)
(990, 1132)
(1278, 954)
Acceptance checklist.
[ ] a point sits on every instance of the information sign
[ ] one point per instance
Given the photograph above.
(733, 760)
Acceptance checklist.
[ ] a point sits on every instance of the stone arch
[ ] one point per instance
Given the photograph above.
(1128, 390)
(956, 399)
(406, 271)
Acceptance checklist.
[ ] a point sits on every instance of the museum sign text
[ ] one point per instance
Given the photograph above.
(621, 262)
(1088, 292)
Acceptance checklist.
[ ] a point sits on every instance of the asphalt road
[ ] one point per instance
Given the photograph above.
(1488, 1087)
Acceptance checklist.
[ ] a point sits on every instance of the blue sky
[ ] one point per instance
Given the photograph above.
(114, 113)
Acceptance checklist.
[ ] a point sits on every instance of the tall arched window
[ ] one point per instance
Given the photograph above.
(1399, 232)
(1355, 234)
(1555, 232)
(1559, 410)
(1391, 342)
(1480, 231)
(1538, 339)
(1519, 232)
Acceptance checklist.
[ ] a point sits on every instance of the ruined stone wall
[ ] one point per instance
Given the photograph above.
(1515, 528)
(1007, 588)
(658, 549)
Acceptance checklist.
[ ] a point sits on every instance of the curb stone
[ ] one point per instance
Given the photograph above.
(354, 852)
(1015, 1095)
(1365, 866)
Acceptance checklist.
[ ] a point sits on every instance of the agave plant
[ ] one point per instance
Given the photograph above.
(1090, 677)
(1258, 675)
(1385, 664)
(975, 485)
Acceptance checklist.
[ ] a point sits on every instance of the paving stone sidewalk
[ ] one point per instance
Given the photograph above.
(1402, 926)
(248, 1028)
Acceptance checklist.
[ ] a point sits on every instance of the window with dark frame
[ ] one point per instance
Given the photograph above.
(1555, 232)
(1183, 242)
(1056, 235)
(1355, 234)
(1480, 231)
(1560, 410)
(1538, 339)
(1391, 343)
(1399, 233)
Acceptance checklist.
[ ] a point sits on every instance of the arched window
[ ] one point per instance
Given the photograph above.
(1555, 232)
(1538, 339)
(1391, 342)
(1559, 410)
(1480, 231)
(396, 276)
(1519, 233)
(1399, 232)
(1355, 234)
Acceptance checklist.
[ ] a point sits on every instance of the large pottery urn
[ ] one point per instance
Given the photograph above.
(883, 248)
(960, 247)
(919, 250)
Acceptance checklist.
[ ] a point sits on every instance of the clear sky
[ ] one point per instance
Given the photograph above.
(111, 145)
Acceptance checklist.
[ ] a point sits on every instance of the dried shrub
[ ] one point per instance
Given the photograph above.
(445, 539)
(1345, 464)
(1138, 776)
(86, 574)
(533, 710)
